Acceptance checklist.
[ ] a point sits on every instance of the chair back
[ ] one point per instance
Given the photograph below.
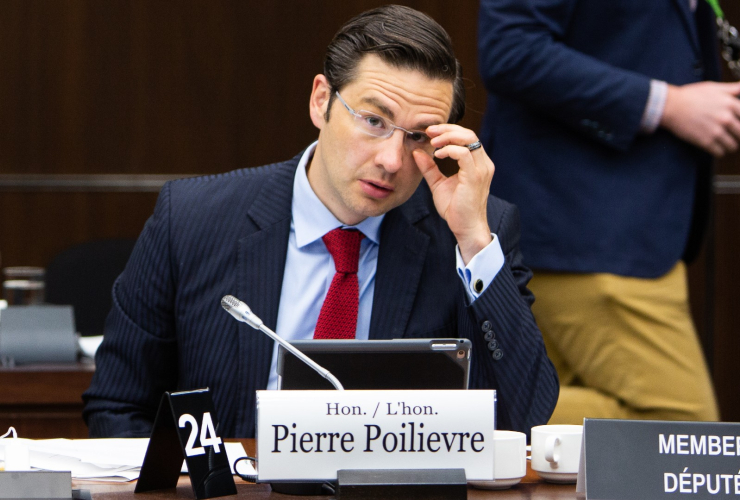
(83, 276)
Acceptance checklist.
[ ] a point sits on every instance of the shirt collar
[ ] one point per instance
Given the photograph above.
(311, 219)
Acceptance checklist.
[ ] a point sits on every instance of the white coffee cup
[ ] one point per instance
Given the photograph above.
(556, 452)
(509, 460)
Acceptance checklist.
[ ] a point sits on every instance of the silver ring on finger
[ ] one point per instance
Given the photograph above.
(474, 145)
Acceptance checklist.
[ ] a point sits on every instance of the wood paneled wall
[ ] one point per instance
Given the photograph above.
(135, 87)
(186, 87)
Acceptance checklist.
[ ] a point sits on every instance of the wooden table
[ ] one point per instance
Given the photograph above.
(531, 487)
(44, 401)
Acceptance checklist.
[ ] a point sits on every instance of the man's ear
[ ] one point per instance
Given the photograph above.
(320, 95)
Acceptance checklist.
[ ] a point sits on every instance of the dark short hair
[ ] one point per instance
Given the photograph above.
(402, 37)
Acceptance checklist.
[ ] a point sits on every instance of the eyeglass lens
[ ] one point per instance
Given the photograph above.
(377, 126)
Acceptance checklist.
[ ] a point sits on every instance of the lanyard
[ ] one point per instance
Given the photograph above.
(729, 39)
(714, 4)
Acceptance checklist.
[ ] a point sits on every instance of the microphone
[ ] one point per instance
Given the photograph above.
(243, 313)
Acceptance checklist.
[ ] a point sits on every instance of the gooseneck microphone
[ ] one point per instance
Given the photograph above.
(243, 313)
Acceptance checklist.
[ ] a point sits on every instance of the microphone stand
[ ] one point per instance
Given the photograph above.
(243, 313)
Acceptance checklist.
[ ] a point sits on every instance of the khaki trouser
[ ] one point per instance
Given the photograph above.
(623, 347)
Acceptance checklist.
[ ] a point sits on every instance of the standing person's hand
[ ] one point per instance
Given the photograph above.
(705, 114)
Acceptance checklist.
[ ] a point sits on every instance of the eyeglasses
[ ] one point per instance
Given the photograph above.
(377, 126)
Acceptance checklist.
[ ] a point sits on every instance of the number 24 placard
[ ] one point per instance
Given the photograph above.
(186, 427)
(208, 435)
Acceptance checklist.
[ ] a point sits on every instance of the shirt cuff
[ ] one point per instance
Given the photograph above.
(482, 268)
(654, 107)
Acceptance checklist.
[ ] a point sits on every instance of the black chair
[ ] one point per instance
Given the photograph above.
(83, 276)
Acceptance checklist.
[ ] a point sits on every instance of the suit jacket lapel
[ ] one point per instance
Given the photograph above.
(262, 255)
(689, 22)
(401, 256)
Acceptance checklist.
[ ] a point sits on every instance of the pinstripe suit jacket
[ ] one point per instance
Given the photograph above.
(228, 234)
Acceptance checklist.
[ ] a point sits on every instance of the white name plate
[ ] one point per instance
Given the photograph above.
(309, 435)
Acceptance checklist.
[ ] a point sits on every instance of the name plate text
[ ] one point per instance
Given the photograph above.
(309, 435)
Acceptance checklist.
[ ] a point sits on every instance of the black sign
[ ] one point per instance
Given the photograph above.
(185, 427)
(631, 459)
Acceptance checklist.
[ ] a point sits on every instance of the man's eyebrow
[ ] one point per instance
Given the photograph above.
(387, 112)
(381, 107)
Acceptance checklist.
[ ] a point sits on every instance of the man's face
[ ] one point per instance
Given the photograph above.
(357, 175)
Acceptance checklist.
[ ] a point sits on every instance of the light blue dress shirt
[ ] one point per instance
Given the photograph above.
(309, 267)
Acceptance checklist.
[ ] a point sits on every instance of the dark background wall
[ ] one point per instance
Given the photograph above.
(102, 101)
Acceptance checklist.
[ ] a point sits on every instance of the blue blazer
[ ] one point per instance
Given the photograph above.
(228, 234)
(568, 81)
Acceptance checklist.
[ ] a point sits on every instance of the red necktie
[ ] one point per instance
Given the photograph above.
(338, 316)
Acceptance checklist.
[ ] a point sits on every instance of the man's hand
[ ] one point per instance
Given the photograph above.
(461, 199)
(705, 114)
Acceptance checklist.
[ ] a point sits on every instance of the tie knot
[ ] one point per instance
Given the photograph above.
(344, 247)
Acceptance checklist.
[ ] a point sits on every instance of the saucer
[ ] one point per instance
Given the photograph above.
(558, 477)
(498, 484)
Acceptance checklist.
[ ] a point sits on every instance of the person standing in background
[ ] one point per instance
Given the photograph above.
(602, 126)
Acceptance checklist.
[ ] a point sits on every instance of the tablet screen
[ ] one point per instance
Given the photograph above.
(378, 364)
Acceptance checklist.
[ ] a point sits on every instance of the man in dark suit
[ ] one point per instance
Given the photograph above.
(602, 130)
(384, 106)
